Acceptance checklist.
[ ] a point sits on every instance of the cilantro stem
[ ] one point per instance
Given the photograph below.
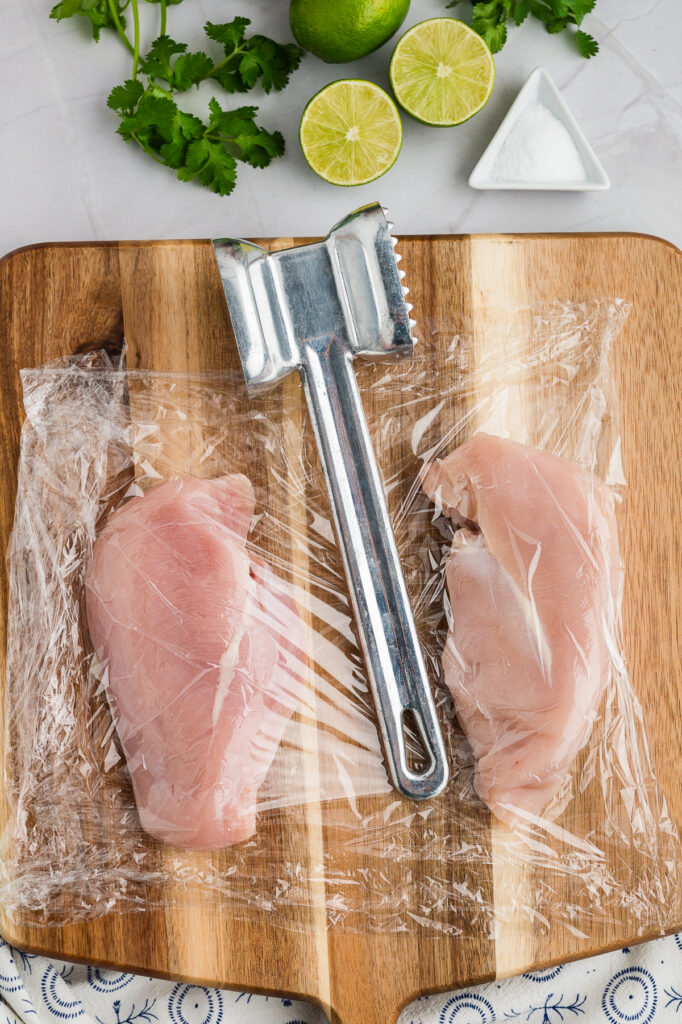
(119, 27)
(163, 18)
(222, 63)
(136, 36)
(147, 150)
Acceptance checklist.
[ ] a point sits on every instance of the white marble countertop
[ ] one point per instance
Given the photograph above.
(65, 175)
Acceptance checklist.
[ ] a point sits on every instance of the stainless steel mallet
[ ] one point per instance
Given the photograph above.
(312, 309)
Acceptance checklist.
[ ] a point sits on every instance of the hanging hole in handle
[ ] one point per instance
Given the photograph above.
(417, 754)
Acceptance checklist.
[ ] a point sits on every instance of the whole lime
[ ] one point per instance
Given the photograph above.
(337, 31)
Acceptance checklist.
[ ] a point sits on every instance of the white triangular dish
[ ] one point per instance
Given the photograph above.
(540, 88)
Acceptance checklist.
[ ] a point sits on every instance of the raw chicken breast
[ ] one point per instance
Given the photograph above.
(533, 580)
(189, 630)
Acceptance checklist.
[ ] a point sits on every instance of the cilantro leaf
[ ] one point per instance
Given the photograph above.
(580, 8)
(190, 69)
(248, 70)
(490, 21)
(556, 9)
(490, 17)
(491, 11)
(230, 80)
(259, 148)
(185, 128)
(99, 12)
(230, 35)
(169, 62)
(494, 34)
(556, 25)
(150, 124)
(545, 10)
(521, 12)
(157, 63)
(228, 122)
(212, 165)
(276, 61)
(248, 59)
(587, 44)
(239, 131)
(125, 98)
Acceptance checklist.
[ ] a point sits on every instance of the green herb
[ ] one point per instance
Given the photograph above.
(101, 13)
(491, 16)
(206, 150)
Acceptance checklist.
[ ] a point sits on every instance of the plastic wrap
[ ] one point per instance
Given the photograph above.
(227, 701)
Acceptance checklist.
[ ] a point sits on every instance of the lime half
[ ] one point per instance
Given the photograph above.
(442, 72)
(351, 132)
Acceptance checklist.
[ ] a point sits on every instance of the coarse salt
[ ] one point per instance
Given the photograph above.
(538, 149)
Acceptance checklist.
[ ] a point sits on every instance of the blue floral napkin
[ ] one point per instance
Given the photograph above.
(631, 986)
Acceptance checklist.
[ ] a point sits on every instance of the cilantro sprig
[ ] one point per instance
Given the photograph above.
(490, 19)
(203, 149)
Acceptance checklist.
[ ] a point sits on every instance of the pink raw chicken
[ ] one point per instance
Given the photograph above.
(190, 632)
(533, 580)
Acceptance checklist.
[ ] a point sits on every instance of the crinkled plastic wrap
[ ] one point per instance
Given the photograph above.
(222, 742)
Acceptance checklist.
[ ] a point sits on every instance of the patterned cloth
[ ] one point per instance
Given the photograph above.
(631, 986)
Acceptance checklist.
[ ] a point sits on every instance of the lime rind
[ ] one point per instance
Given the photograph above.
(442, 73)
(351, 132)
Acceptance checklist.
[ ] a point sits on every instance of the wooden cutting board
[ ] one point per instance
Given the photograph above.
(166, 297)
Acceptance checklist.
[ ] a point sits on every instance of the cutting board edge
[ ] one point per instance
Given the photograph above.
(483, 236)
(281, 992)
(539, 965)
(35, 949)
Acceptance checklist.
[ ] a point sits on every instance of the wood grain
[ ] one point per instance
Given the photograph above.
(166, 297)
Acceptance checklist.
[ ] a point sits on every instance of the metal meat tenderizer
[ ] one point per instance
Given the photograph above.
(311, 309)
